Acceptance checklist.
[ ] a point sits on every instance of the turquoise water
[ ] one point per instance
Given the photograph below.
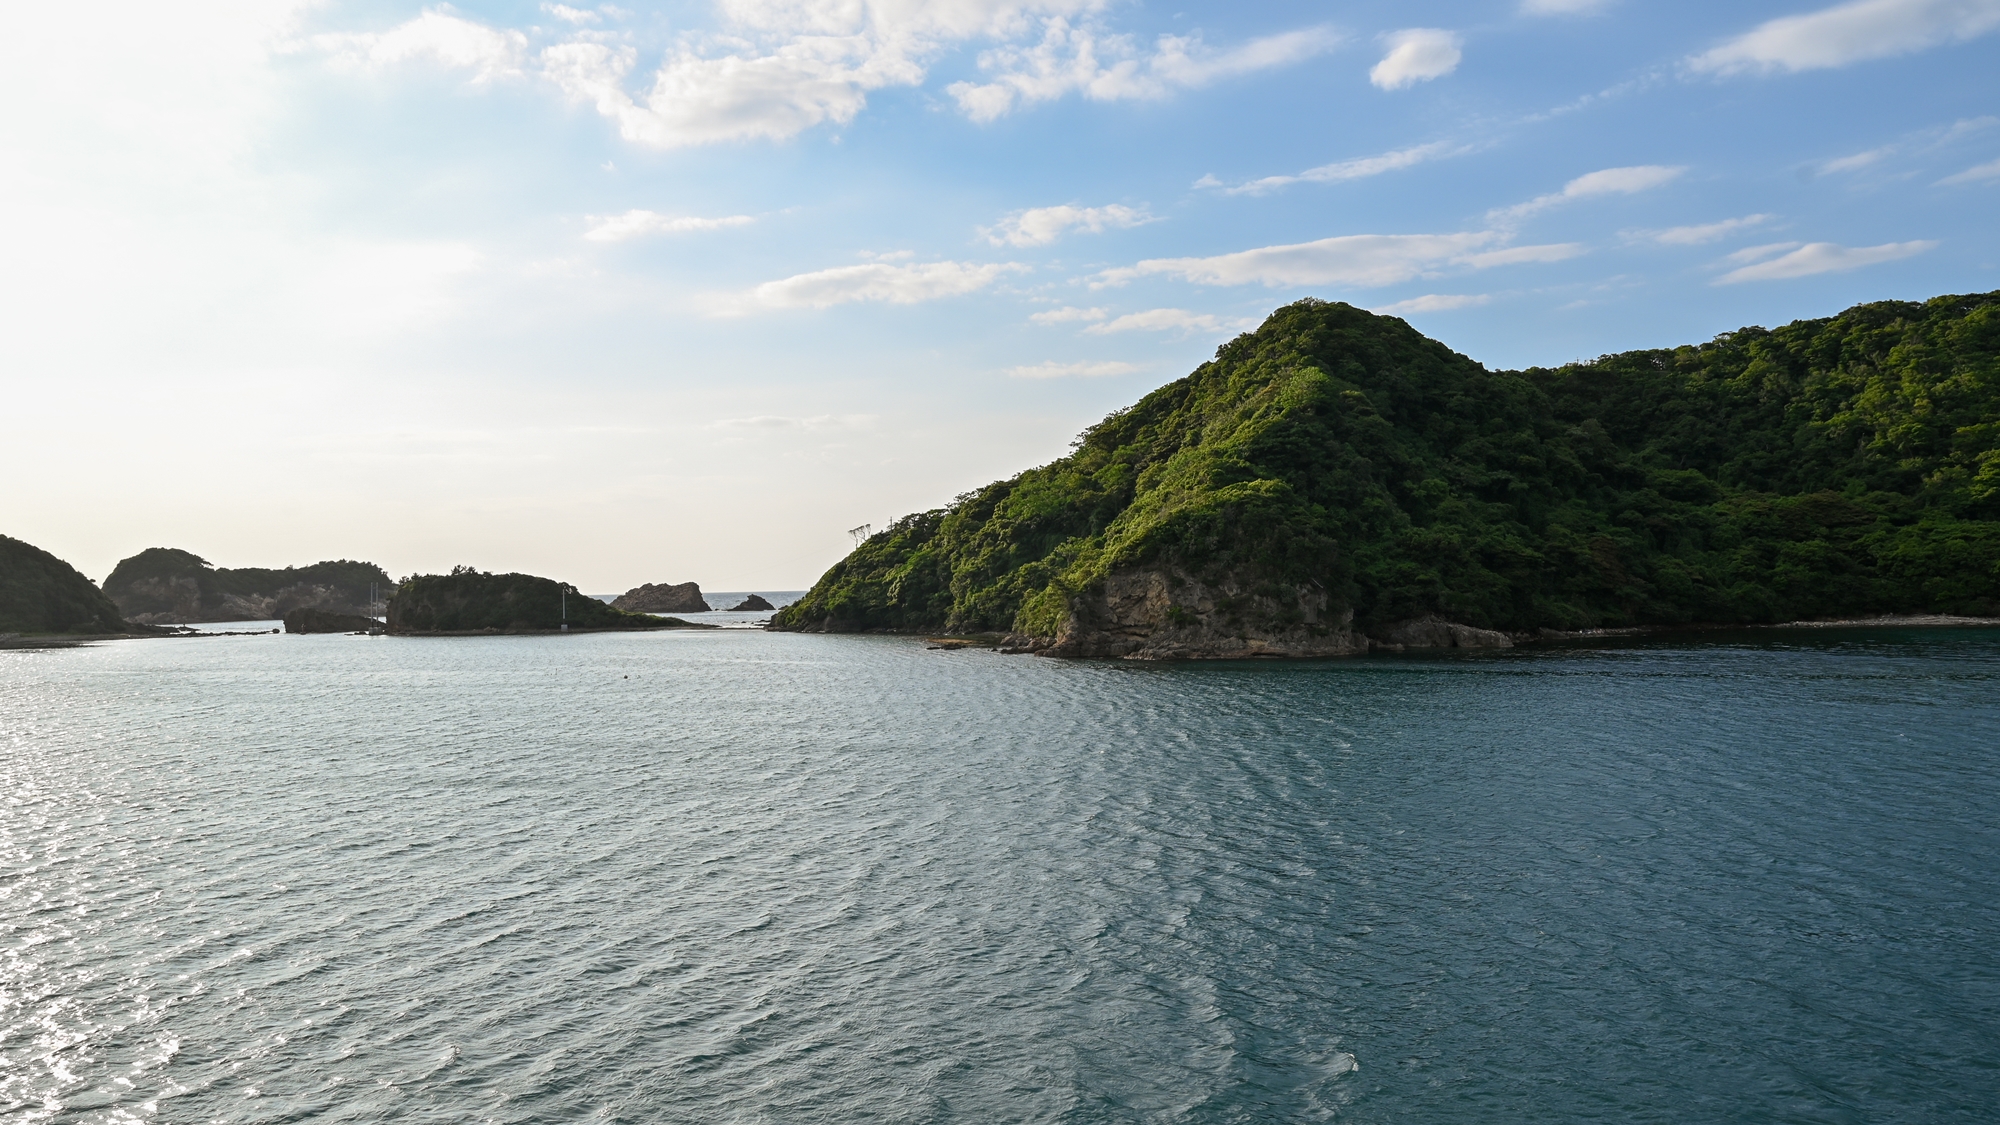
(738, 877)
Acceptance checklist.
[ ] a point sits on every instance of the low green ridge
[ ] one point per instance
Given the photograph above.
(40, 593)
(1832, 467)
(472, 601)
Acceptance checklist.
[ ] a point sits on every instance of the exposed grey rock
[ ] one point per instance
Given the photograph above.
(1161, 614)
(1436, 632)
(650, 598)
(754, 602)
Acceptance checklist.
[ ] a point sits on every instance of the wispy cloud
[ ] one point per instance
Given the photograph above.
(1343, 170)
(1417, 54)
(1169, 320)
(636, 223)
(891, 283)
(1857, 161)
(1088, 369)
(1849, 33)
(1078, 58)
(1357, 259)
(1609, 181)
(1699, 233)
(1436, 302)
(571, 15)
(1068, 315)
(1817, 257)
(1039, 226)
(1977, 174)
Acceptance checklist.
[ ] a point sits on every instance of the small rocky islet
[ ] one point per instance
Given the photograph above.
(684, 597)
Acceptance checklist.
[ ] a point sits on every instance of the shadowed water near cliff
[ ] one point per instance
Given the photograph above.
(765, 878)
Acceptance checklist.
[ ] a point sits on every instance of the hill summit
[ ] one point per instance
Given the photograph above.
(1336, 476)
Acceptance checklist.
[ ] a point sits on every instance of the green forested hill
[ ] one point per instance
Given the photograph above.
(40, 593)
(1831, 467)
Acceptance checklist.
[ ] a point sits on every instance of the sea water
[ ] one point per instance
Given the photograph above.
(731, 876)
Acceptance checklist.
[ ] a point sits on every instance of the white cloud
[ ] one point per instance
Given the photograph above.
(1516, 255)
(1085, 370)
(1858, 160)
(1067, 60)
(1343, 170)
(1561, 7)
(1355, 259)
(1040, 226)
(1820, 257)
(1417, 55)
(1977, 174)
(1703, 232)
(1849, 33)
(780, 67)
(875, 281)
(1168, 320)
(1609, 181)
(635, 223)
(1067, 315)
(1436, 302)
(436, 37)
(1758, 253)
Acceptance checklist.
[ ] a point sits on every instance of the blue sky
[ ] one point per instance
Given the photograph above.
(631, 292)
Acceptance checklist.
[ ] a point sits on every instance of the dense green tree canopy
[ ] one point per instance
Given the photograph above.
(40, 593)
(1831, 467)
(468, 600)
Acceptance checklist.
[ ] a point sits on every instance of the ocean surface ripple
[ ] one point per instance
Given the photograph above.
(737, 877)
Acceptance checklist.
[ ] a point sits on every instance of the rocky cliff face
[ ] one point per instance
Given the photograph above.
(1160, 614)
(167, 586)
(180, 601)
(649, 598)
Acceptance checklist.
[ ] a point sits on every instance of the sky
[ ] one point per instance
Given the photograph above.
(685, 291)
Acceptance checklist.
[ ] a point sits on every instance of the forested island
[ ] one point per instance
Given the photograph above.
(165, 586)
(475, 601)
(1336, 479)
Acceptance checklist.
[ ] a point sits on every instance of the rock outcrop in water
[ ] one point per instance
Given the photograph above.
(649, 598)
(1336, 482)
(40, 593)
(164, 586)
(753, 603)
(472, 601)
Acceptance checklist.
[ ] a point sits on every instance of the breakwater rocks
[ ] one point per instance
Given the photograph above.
(650, 598)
